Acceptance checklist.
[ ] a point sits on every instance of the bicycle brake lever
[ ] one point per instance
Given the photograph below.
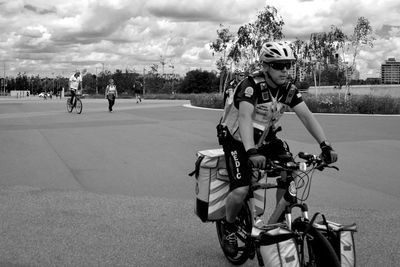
(333, 167)
(324, 165)
(321, 166)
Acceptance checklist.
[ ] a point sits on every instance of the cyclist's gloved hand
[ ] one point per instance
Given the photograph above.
(328, 155)
(256, 160)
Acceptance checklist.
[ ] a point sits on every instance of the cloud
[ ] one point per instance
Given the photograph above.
(40, 36)
(38, 10)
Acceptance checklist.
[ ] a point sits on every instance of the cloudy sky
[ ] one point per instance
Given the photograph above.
(54, 37)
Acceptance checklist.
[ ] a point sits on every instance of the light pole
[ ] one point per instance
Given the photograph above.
(144, 82)
(97, 88)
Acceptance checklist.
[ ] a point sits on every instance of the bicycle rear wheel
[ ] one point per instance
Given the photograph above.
(78, 107)
(69, 106)
(245, 247)
(315, 249)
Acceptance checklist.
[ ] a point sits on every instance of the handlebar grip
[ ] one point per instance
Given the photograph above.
(305, 156)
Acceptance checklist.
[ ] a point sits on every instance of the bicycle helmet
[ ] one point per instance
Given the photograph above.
(276, 51)
(239, 71)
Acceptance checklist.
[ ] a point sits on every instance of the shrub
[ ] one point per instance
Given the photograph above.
(208, 100)
(327, 103)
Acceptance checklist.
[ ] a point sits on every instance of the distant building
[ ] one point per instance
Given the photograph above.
(390, 72)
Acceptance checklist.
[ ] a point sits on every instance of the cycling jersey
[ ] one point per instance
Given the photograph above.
(74, 82)
(269, 103)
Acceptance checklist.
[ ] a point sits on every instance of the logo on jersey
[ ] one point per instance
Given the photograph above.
(265, 96)
(248, 92)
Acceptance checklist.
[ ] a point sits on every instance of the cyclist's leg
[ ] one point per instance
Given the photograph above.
(72, 97)
(277, 149)
(240, 177)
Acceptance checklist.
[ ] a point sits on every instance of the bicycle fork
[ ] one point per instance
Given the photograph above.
(288, 213)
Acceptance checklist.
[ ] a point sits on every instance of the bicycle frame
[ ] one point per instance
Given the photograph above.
(77, 105)
(302, 228)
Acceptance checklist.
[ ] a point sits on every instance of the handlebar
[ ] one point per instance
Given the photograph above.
(303, 170)
(310, 163)
(311, 160)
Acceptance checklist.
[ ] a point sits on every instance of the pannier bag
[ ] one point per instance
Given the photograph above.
(212, 186)
(278, 247)
(341, 238)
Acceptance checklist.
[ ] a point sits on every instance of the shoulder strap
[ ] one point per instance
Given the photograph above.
(197, 167)
(290, 94)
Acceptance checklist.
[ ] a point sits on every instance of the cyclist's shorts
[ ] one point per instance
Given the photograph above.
(237, 161)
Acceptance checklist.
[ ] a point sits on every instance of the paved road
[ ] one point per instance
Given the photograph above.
(111, 189)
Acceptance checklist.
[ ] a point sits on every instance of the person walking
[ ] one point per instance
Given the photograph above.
(111, 94)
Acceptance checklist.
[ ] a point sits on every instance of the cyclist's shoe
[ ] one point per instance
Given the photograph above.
(230, 243)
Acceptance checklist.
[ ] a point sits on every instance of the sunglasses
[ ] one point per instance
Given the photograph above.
(281, 66)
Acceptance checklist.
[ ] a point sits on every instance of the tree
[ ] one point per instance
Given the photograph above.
(244, 48)
(250, 37)
(220, 46)
(198, 81)
(339, 39)
(319, 51)
(362, 36)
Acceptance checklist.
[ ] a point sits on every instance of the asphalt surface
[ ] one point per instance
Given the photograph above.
(111, 189)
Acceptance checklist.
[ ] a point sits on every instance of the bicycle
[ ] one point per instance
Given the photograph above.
(313, 247)
(77, 105)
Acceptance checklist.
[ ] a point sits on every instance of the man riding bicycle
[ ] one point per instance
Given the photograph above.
(247, 130)
(239, 75)
(75, 83)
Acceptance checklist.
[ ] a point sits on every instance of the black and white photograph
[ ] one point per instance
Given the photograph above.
(199, 133)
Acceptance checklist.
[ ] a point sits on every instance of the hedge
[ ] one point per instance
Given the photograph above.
(327, 103)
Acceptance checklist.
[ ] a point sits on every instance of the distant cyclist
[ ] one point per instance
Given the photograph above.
(250, 123)
(239, 75)
(75, 83)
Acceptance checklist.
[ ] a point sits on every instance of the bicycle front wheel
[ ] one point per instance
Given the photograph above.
(69, 106)
(78, 106)
(245, 247)
(315, 249)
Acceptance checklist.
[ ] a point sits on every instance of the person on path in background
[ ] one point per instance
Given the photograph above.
(111, 94)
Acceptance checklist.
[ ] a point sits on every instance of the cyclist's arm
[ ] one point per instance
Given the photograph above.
(246, 110)
(310, 122)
